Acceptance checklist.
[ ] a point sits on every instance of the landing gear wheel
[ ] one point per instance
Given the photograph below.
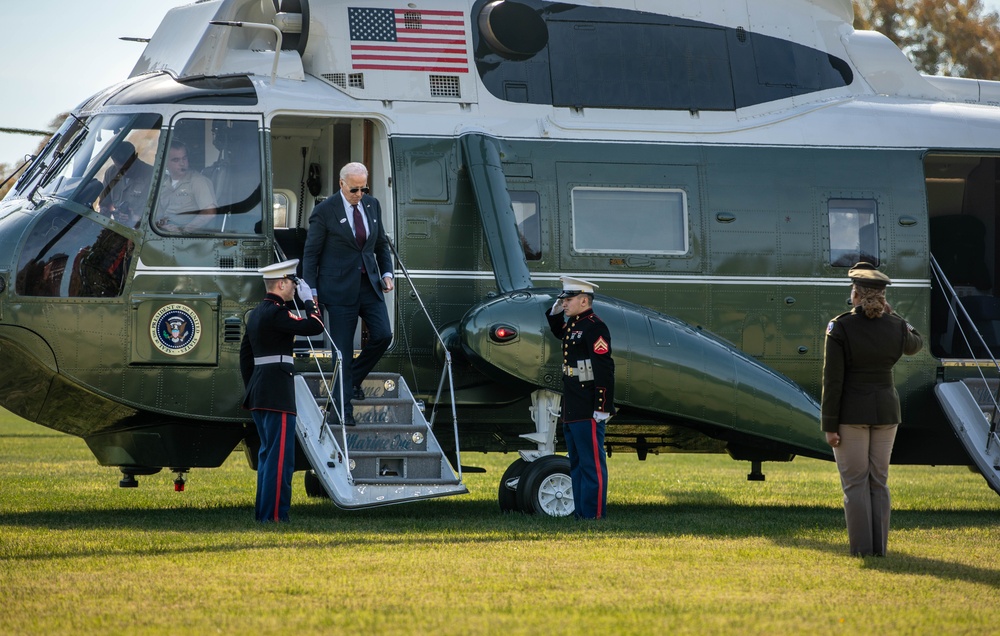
(313, 486)
(545, 487)
(507, 495)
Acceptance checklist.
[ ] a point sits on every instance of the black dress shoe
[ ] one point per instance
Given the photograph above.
(359, 393)
(349, 420)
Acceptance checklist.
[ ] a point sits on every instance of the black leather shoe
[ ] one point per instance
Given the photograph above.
(359, 393)
(349, 420)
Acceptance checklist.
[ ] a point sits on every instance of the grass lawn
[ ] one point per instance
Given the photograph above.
(691, 548)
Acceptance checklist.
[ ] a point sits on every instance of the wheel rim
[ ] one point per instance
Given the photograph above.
(555, 495)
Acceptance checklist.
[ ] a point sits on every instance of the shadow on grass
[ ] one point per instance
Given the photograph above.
(317, 524)
(903, 563)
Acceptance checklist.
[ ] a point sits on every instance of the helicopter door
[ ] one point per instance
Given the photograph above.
(307, 154)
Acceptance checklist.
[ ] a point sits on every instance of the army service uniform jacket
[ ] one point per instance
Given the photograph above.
(587, 366)
(269, 338)
(858, 386)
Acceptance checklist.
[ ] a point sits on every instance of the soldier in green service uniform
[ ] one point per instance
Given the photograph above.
(860, 406)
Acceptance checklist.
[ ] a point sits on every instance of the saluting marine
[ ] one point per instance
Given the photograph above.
(860, 406)
(268, 374)
(588, 393)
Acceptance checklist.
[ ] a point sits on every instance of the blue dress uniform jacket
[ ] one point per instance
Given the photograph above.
(331, 258)
(858, 385)
(271, 331)
(587, 365)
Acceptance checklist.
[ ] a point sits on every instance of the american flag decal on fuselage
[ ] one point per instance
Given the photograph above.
(408, 40)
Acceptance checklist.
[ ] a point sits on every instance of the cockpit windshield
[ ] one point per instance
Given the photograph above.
(79, 161)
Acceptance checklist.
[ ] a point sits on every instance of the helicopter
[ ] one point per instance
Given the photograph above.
(715, 167)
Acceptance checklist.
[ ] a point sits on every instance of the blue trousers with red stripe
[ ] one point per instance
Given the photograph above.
(588, 467)
(275, 464)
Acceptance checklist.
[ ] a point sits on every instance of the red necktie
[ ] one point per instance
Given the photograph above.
(359, 227)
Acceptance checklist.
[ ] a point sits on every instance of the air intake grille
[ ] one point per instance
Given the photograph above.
(413, 20)
(338, 79)
(445, 86)
(227, 262)
(232, 330)
(251, 262)
(356, 80)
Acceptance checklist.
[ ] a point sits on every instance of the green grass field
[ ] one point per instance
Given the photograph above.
(691, 548)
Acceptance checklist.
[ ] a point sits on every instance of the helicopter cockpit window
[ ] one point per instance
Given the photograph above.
(529, 228)
(630, 221)
(853, 231)
(78, 168)
(68, 255)
(211, 181)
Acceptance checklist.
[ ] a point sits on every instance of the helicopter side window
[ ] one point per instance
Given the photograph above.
(67, 255)
(529, 228)
(853, 231)
(211, 179)
(630, 221)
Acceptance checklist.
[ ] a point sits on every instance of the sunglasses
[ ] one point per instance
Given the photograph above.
(356, 190)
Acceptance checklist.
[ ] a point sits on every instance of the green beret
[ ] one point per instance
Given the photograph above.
(865, 275)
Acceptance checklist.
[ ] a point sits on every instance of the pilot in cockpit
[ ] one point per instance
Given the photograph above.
(125, 185)
(186, 201)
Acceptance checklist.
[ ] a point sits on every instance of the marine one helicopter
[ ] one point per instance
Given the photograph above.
(716, 167)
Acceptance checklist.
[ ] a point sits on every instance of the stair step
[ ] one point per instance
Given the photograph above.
(387, 438)
(409, 466)
(385, 481)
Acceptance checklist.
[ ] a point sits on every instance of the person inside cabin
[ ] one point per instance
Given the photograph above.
(126, 185)
(268, 374)
(186, 200)
(860, 408)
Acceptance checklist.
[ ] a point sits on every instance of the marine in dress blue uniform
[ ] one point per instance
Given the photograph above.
(268, 374)
(588, 393)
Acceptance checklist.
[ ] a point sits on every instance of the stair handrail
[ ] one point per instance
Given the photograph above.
(952, 298)
(446, 372)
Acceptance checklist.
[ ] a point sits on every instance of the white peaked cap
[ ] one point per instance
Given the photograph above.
(573, 286)
(279, 270)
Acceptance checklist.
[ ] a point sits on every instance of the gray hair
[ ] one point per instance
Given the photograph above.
(354, 169)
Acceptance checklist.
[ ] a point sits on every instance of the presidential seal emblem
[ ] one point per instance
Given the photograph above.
(175, 329)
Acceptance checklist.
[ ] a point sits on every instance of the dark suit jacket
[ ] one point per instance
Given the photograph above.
(331, 259)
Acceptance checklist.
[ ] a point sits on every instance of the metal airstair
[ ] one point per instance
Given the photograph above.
(390, 455)
(972, 405)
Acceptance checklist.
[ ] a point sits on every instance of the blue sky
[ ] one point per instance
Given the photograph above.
(57, 53)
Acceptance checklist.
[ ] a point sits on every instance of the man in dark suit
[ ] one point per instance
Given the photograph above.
(348, 261)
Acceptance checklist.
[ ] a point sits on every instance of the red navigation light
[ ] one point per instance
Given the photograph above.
(502, 333)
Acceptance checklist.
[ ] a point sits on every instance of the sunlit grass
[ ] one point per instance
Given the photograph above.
(691, 548)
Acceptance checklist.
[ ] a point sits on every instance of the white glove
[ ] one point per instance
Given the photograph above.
(600, 416)
(302, 287)
(557, 307)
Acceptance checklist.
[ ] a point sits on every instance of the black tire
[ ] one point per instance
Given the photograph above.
(508, 496)
(546, 488)
(313, 486)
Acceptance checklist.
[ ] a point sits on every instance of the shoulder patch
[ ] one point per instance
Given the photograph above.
(829, 327)
(601, 346)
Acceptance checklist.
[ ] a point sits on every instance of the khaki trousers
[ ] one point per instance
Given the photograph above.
(863, 462)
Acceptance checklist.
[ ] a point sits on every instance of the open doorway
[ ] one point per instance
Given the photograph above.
(307, 153)
(962, 207)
